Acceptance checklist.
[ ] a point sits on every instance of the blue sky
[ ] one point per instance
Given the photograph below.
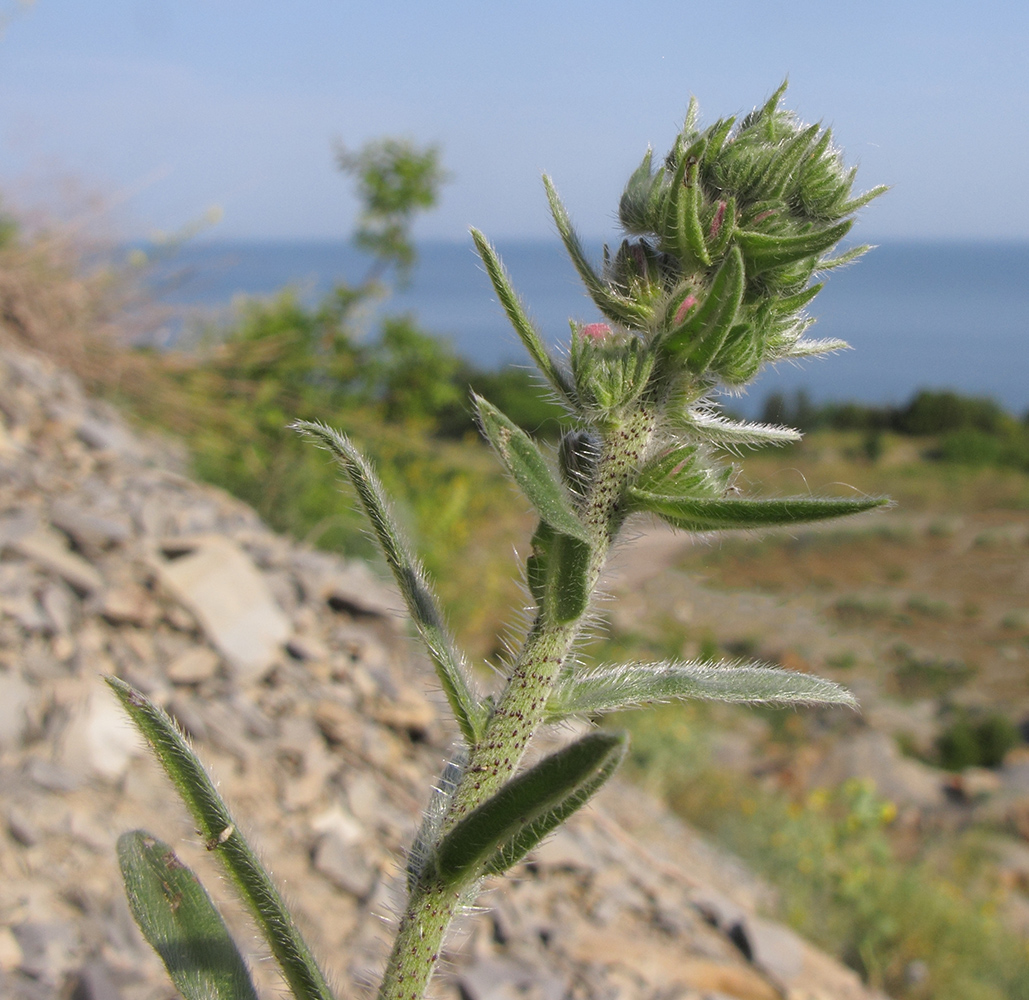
(168, 107)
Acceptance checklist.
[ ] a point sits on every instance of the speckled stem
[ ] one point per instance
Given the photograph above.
(519, 712)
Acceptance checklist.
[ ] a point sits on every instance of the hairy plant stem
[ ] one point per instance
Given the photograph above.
(495, 758)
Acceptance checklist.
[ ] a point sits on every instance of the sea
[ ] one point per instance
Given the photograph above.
(939, 315)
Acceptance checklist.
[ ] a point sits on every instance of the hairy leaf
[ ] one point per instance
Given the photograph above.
(557, 574)
(814, 348)
(610, 689)
(421, 601)
(519, 320)
(716, 429)
(180, 922)
(764, 251)
(513, 850)
(616, 307)
(507, 819)
(216, 825)
(530, 470)
(725, 514)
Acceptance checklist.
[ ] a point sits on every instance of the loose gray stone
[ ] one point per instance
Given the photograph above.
(47, 949)
(344, 864)
(17, 524)
(15, 697)
(48, 548)
(99, 740)
(193, 666)
(219, 584)
(91, 532)
(51, 777)
(502, 978)
(106, 435)
(60, 605)
(773, 948)
(94, 982)
(21, 828)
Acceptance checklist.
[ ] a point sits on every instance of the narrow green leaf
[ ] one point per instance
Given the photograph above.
(764, 251)
(421, 601)
(611, 689)
(690, 235)
(831, 263)
(180, 922)
(635, 204)
(716, 136)
(506, 818)
(512, 851)
(616, 307)
(716, 429)
(689, 125)
(726, 514)
(814, 348)
(794, 303)
(530, 470)
(863, 199)
(215, 824)
(702, 334)
(519, 320)
(557, 574)
(788, 159)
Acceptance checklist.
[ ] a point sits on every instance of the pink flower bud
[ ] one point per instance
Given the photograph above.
(687, 304)
(596, 331)
(716, 222)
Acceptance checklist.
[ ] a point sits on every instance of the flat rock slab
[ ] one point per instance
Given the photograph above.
(214, 579)
(49, 549)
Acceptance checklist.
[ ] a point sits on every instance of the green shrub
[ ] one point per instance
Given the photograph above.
(970, 742)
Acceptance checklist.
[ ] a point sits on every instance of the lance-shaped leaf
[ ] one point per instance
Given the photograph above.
(635, 206)
(863, 199)
(529, 836)
(611, 689)
(716, 136)
(519, 320)
(788, 159)
(716, 429)
(557, 573)
(216, 826)
(764, 251)
(689, 234)
(510, 820)
(180, 922)
(705, 329)
(848, 257)
(725, 514)
(418, 595)
(794, 303)
(530, 470)
(616, 307)
(814, 348)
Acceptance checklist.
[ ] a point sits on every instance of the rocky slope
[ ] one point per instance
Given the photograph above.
(295, 678)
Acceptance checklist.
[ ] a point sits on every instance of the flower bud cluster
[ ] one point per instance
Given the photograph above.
(723, 242)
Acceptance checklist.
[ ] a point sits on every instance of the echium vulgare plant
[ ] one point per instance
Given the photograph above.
(724, 238)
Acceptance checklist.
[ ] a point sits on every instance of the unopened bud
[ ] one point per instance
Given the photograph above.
(684, 307)
(716, 222)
